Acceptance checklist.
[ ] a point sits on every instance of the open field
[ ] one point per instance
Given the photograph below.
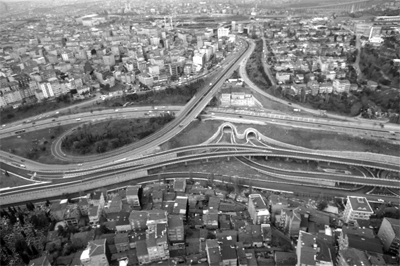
(35, 145)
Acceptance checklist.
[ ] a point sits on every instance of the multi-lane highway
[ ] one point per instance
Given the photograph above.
(128, 162)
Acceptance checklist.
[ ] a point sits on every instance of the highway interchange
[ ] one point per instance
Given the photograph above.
(144, 155)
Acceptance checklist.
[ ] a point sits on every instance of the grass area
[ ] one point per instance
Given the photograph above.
(35, 145)
(324, 140)
(12, 181)
(110, 135)
(198, 132)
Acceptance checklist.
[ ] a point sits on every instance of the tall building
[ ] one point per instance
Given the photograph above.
(389, 234)
(258, 210)
(222, 32)
(357, 208)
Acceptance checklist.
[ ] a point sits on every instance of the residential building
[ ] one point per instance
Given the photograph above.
(389, 234)
(180, 185)
(121, 242)
(357, 208)
(121, 219)
(97, 199)
(181, 206)
(340, 86)
(223, 32)
(213, 252)
(361, 243)
(138, 220)
(355, 257)
(258, 210)
(228, 255)
(94, 214)
(276, 204)
(176, 232)
(311, 252)
(142, 253)
(96, 254)
(132, 195)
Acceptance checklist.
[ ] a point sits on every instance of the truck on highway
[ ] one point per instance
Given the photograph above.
(297, 110)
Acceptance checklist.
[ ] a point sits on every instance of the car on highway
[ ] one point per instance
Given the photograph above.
(210, 84)
(116, 110)
(4, 125)
(289, 103)
(53, 120)
(57, 112)
(78, 119)
(381, 200)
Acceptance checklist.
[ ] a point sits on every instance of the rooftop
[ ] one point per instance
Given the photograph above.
(360, 204)
(258, 201)
(367, 244)
(395, 225)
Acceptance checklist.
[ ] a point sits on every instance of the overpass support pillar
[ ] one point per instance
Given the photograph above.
(228, 158)
(329, 163)
(266, 158)
(185, 163)
(287, 159)
(207, 160)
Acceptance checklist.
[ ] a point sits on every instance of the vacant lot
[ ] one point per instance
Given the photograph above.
(35, 145)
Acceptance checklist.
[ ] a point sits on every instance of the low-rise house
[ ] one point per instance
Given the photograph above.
(353, 241)
(121, 220)
(142, 253)
(138, 220)
(97, 199)
(133, 195)
(181, 206)
(228, 255)
(180, 185)
(157, 196)
(94, 215)
(121, 242)
(210, 220)
(96, 254)
(213, 252)
(276, 204)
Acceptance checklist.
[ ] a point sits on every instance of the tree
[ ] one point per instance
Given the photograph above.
(61, 230)
(322, 205)
(24, 258)
(34, 250)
